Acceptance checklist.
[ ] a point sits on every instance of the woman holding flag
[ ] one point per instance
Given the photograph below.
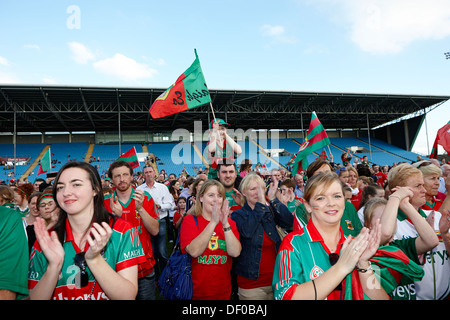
(221, 147)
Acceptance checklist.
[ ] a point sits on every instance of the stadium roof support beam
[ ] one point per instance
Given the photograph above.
(14, 109)
(87, 109)
(50, 107)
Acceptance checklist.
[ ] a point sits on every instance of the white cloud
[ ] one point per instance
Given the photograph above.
(32, 46)
(80, 53)
(382, 26)
(269, 30)
(277, 33)
(7, 78)
(4, 62)
(125, 68)
(48, 80)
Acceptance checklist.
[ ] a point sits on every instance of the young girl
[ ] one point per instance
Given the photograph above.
(180, 212)
(48, 208)
(21, 195)
(414, 247)
(88, 254)
(212, 241)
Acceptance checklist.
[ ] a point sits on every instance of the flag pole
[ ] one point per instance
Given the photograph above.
(212, 110)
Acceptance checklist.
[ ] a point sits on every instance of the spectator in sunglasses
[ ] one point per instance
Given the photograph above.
(88, 254)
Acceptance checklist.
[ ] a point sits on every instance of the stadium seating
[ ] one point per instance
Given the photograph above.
(174, 157)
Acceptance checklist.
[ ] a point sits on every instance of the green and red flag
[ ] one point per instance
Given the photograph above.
(130, 157)
(189, 91)
(434, 151)
(316, 139)
(390, 264)
(443, 139)
(45, 165)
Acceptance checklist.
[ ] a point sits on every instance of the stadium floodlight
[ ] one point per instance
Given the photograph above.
(447, 55)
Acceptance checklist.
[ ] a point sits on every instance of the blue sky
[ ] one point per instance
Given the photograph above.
(362, 46)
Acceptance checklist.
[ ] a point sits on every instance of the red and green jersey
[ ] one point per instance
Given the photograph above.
(130, 214)
(231, 203)
(211, 276)
(350, 223)
(302, 257)
(434, 205)
(122, 251)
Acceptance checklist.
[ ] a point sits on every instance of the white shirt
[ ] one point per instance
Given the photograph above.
(162, 197)
(437, 271)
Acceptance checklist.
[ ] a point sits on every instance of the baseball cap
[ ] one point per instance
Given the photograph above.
(220, 122)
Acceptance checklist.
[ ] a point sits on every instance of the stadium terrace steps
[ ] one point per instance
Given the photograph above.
(176, 156)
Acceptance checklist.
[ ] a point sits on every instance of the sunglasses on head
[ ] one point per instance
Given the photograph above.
(424, 164)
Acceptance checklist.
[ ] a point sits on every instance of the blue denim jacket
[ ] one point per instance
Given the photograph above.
(251, 225)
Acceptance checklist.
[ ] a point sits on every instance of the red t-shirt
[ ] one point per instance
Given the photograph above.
(211, 276)
(130, 214)
(356, 199)
(176, 217)
(266, 266)
(381, 178)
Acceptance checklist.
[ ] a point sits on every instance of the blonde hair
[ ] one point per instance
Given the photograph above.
(350, 168)
(370, 207)
(247, 180)
(398, 175)
(198, 208)
(428, 169)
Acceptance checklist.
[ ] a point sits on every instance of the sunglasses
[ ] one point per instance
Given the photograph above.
(424, 164)
(333, 258)
(81, 278)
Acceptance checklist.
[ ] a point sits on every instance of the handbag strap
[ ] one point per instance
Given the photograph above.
(177, 242)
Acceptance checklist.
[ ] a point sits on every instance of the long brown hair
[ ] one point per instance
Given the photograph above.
(101, 214)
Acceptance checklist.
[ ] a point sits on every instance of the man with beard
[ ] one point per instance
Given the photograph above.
(227, 175)
(138, 208)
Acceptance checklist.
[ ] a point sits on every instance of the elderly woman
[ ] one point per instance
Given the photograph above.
(431, 174)
(257, 224)
(436, 282)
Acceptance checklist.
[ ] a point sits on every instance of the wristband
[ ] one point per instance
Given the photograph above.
(364, 270)
(226, 229)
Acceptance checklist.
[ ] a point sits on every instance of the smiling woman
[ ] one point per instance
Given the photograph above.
(68, 262)
(312, 263)
(212, 243)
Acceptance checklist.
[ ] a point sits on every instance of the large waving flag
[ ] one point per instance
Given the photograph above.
(189, 91)
(316, 139)
(443, 139)
(131, 157)
(45, 163)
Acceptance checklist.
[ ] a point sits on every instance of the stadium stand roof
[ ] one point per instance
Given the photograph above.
(83, 109)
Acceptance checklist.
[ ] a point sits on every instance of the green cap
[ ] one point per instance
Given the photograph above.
(220, 122)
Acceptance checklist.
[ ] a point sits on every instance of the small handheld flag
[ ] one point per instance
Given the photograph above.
(130, 157)
(45, 163)
(316, 139)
